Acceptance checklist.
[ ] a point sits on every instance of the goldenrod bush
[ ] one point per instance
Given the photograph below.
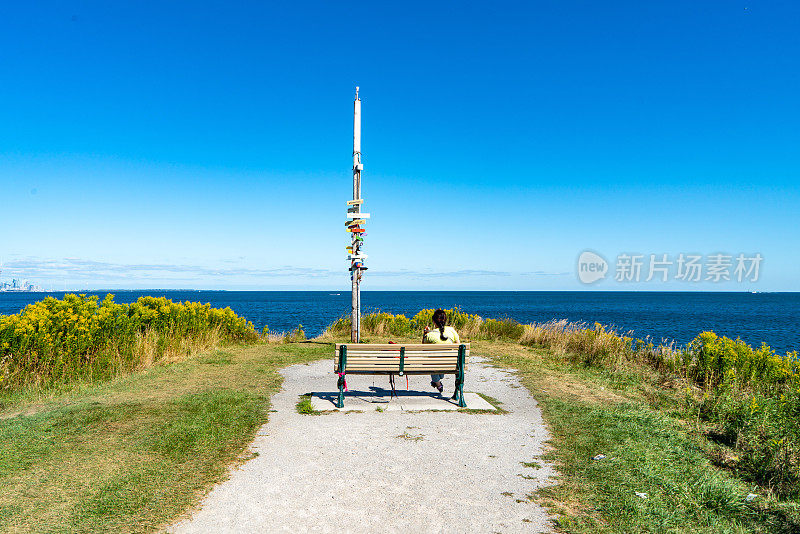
(712, 360)
(295, 336)
(467, 325)
(57, 341)
(387, 325)
(753, 397)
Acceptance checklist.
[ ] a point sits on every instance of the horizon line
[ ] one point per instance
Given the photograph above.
(111, 290)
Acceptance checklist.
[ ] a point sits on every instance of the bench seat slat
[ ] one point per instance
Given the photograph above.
(417, 366)
(397, 356)
(396, 369)
(358, 347)
(395, 361)
(397, 365)
(425, 372)
(396, 353)
(385, 358)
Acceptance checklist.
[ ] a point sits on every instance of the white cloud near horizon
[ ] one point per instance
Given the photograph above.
(48, 271)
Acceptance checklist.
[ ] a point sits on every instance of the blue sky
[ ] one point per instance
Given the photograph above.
(208, 145)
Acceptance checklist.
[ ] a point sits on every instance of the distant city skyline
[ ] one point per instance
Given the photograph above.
(17, 284)
(167, 146)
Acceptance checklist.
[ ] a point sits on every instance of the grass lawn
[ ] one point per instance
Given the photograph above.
(650, 447)
(133, 454)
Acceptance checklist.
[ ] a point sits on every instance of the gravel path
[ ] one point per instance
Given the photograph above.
(386, 471)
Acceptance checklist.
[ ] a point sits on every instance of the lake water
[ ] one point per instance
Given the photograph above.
(771, 318)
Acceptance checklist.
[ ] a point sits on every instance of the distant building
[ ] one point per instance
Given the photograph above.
(19, 285)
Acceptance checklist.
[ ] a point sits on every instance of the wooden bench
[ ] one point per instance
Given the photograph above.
(398, 359)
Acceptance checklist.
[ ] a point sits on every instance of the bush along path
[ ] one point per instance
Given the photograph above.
(628, 458)
(386, 470)
(59, 342)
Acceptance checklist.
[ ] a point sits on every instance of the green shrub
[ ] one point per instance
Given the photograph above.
(304, 405)
(385, 324)
(297, 335)
(57, 341)
(712, 360)
(339, 328)
(753, 398)
(466, 324)
(388, 325)
(503, 329)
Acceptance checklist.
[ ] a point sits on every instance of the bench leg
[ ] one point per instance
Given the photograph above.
(458, 396)
(340, 401)
(462, 362)
(342, 368)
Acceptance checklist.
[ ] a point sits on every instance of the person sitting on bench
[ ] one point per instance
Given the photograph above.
(441, 334)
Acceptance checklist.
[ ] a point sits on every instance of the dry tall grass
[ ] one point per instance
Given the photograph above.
(153, 349)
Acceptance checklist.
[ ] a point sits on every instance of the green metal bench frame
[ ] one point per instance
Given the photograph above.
(458, 396)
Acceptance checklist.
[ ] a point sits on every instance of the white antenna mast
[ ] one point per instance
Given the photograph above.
(355, 221)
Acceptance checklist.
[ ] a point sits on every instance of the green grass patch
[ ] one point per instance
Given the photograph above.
(304, 405)
(134, 453)
(410, 437)
(218, 357)
(498, 406)
(650, 448)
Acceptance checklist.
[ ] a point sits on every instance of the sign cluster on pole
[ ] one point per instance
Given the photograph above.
(356, 219)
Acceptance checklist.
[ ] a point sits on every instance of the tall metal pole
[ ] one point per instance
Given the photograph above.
(357, 240)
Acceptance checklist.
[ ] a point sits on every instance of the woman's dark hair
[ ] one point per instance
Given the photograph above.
(439, 320)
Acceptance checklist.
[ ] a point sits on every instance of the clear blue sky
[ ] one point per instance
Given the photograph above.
(197, 144)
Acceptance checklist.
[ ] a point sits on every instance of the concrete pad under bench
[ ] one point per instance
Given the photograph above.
(404, 400)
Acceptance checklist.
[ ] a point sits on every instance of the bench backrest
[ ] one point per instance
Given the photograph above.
(427, 358)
